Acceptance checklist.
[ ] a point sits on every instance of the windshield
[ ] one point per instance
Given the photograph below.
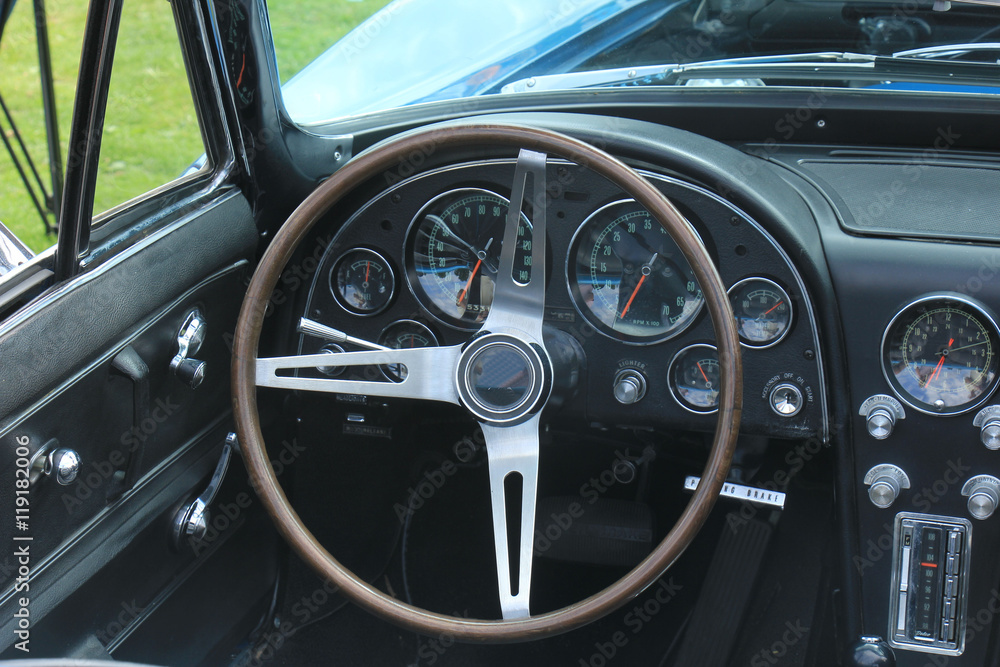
(415, 51)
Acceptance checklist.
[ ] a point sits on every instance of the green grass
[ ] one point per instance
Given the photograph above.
(151, 131)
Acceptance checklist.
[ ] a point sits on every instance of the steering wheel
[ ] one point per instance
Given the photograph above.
(508, 405)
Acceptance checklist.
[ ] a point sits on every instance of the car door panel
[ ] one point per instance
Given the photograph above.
(113, 332)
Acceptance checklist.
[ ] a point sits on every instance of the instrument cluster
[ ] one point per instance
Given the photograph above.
(416, 266)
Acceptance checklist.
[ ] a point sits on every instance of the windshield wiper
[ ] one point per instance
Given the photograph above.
(755, 70)
(948, 50)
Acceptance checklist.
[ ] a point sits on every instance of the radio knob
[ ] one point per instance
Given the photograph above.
(983, 492)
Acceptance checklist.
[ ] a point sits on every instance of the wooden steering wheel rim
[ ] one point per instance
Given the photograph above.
(374, 162)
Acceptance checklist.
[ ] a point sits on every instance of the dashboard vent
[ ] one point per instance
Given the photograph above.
(914, 197)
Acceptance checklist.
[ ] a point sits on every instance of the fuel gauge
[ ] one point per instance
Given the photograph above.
(404, 334)
(763, 311)
(693, 377)
(362, 281)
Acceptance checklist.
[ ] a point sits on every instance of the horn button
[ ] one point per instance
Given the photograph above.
(502, 379)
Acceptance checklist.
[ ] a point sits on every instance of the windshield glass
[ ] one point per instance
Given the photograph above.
(413, 51)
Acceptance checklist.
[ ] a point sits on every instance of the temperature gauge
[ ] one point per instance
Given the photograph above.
(763, 311)
(362, 281)
(694, 378)
(403, 334)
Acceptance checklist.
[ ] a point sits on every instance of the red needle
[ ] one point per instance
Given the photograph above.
(368, 270)
(632, 298)
(940, 363)
(768, 312)
(468, 284)
(698, 364)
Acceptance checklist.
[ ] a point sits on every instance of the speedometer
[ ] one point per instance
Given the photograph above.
(453, 253)
(939, 354)
(629, 278)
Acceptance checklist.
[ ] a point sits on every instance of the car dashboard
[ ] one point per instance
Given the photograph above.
(850, 290)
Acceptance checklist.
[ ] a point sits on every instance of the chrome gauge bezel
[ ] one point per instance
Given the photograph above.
(670, 377)
(332, 278)
(409, 270)
(987, 319)
(388, 374)
(587, 315)
(788, 300)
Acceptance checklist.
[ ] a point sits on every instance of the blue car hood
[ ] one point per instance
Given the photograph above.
(424, 50)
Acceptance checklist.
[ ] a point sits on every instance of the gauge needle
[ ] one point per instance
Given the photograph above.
(646, 270)
(468, 283)
(768, 312)
(698, 364)
(940, 363)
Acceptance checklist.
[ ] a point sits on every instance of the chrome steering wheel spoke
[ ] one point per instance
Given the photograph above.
(430, 373)
(519, 307)
(512, 452)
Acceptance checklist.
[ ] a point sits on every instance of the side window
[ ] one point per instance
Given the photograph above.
(151, 132)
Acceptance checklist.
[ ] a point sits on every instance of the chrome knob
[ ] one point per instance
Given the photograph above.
(629, 387)
(881, 412)
(786, 399)
(983, 492)
(990, 434)
(880, 422)
(64, 465)
(988, 421)
(190, 371)
(885, 483)
(884, 491)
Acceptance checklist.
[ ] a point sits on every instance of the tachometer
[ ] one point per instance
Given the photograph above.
(629, 278)
(939, 354)
(453, 252)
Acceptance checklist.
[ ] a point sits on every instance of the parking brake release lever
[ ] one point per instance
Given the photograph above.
(192, 519)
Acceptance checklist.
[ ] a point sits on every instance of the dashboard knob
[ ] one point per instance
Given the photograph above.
(880, 422)
(983, 492)
(881, 412)
(990, 434)
(988, 421)
(884, 484)
(629, 386)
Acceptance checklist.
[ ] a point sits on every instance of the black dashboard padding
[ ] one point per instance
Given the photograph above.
(79, 320)
(914, 198)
